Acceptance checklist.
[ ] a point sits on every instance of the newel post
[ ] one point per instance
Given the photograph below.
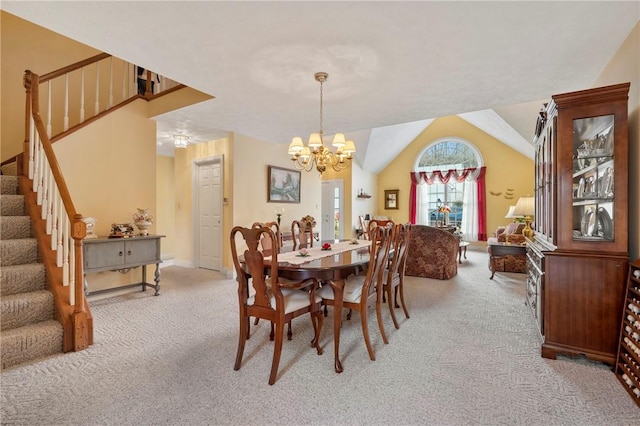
(80, 319)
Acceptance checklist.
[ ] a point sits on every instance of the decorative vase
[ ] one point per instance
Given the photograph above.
(143, 226)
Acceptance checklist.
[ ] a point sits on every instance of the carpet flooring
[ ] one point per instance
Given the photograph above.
(469, 355)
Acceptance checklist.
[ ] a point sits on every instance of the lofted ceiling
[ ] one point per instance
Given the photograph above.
(393, 66)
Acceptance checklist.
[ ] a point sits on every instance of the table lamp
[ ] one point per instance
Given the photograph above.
(511, 215)
(526, 207)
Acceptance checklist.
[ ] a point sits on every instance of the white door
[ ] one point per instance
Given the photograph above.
(209, 214)
(332, 209)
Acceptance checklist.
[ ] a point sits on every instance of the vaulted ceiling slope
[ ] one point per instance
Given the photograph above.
(393, 66)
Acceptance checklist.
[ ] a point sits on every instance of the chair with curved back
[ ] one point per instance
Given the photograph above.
(362, 290)
(301, 234)
(373, 223)
(275, 300)
(266, 242)
(393, 278)
(364, 226)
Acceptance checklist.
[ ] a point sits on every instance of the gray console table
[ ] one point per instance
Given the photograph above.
(121, 254)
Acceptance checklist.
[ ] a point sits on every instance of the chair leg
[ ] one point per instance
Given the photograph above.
(277, 351)
(380, 323)
(289, 332)
(400, 288)
(316, 320)
(365, 334)
(272, 334)
(244, 328)
(391, 304)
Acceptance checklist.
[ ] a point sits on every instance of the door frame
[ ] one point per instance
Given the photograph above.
(334, 183)
(195, 208)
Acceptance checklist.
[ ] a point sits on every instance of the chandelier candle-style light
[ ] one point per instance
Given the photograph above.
(315, 153)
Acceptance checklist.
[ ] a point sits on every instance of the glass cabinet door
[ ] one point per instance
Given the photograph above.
(593, 171)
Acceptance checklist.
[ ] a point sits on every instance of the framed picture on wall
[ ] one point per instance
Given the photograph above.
(283, 185)
(391, 199)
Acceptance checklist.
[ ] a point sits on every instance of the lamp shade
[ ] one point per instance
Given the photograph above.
(525, 207)
(511, 214)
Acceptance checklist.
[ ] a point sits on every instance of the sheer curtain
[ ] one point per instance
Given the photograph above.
(474, 204)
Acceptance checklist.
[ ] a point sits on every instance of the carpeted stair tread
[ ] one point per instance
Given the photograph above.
(33, 341)
(12, 205)
(18, 251)
(8, 184)
(18, 310)
(15, 227)
(22, 278)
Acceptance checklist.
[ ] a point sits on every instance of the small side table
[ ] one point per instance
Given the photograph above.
(462, 248)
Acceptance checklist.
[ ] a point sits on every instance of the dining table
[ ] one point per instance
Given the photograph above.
(331, 266)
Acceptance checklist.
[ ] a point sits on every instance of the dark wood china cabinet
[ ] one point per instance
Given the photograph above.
(577, 262)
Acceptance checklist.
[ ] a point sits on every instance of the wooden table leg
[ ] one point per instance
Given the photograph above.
(338, 291)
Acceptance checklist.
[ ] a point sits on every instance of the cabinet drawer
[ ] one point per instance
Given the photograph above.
(141, 251)
(98, 256)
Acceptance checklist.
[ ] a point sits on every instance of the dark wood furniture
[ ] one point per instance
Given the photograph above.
(333, 269)
(364, 290)
(577, 262)
(627, 366)
(122, 254)
(266, 242)
(393, 277)
(274, 300)
(498, 250)
(301, 234)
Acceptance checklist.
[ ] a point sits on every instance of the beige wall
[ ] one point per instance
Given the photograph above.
(249, 197)
(368, 183)
(506, 168)
(165, 209)
(110, 169)
(625, 66)
(184, 186)
(23, 48)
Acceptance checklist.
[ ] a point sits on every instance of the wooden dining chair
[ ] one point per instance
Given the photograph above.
(393, 276)
(301, 234)
(364, 226)
(275, 300)
(361, 291)
(265, 243)
(373, 223)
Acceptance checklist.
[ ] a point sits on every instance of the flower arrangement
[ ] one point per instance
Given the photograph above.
(326, 246)
(309, 220)
(143, 215)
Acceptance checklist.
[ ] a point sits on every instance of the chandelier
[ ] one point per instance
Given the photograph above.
(315, 153)
(181, 140)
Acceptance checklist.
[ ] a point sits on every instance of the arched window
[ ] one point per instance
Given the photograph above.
(446, 175)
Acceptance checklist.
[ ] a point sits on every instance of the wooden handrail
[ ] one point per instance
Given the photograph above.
(48, 149)
(62, 71)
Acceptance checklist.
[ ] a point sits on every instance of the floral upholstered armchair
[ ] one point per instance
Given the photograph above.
(512, 233)
(432, 253)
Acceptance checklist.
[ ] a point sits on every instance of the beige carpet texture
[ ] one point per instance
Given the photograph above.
(469, 355)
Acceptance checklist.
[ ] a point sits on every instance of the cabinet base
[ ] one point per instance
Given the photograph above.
(551, 351)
